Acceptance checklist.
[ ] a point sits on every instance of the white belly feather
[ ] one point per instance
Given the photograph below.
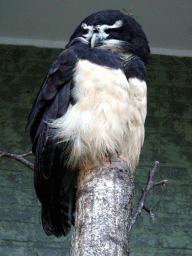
(109, 115)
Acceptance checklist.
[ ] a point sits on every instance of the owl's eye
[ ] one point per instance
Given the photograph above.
(112, 30)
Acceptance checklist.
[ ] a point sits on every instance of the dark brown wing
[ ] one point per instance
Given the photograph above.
(54, 183)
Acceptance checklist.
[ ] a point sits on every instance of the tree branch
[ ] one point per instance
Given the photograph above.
(104, 203)
(145, 192)
(19, 158)
(152, 215)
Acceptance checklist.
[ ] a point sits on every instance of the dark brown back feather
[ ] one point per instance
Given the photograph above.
(50, 169)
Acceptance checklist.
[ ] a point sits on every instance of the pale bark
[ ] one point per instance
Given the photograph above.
(103, 211)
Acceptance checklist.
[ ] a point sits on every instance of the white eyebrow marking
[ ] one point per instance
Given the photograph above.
(117, 24)
(102, 28)
(90, 30)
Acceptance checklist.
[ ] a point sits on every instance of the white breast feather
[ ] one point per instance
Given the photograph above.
(109, 115)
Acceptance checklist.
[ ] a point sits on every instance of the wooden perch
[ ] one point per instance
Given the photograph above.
(104, 205)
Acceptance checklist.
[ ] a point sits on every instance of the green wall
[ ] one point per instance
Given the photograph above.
(168, 140)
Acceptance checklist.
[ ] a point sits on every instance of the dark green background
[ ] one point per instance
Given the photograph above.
(168, 139)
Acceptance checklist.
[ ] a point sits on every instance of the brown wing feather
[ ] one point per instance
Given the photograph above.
(52, 102)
